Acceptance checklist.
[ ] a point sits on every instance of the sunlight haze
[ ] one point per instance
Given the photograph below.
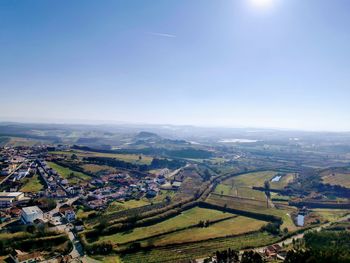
(232, 63)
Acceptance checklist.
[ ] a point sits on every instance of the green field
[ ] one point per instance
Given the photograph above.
(105, 259)
(188, 218)
(81, 214)
(238, 203)
(95, 168)
(250, 179)
(233, 226)
(32, 184)
(131, 158)
(331, 214)
(342, 179)
(254, 206)
(119, 206)
(244, 192)
(180, 253)
(66, 173)
(283, 182)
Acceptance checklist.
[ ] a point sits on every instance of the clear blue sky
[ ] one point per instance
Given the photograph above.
(285, 63)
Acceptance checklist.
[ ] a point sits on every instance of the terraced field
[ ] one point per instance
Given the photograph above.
(176, 253)
(234, 226)
(95, 168)
(186, 219)
(331, 214)
(254, 206)
(337, 178)
(251, 179)
(238, 203)
(119, 206)
(244, 192)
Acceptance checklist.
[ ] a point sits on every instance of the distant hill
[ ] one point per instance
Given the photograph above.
(143, 135)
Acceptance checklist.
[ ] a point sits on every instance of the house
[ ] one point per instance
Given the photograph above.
(8, 198)
(15, 212)
(176, 184)
(30, 214)
(161, 179)
(272, 251)
(97, 204)
(69, 215)
(68, 212)
(19, 256)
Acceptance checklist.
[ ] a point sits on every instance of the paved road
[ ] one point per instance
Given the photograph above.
(77, 250)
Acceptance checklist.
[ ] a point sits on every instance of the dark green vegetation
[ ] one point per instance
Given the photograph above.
(35, 238)
(325, 246)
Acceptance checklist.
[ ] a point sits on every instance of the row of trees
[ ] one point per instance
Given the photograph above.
(232, 256)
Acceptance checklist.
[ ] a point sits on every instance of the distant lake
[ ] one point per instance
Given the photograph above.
(238, 141)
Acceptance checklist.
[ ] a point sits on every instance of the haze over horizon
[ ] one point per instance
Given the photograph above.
(228, 63)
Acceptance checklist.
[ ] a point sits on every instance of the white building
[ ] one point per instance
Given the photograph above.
(30, 214)
(7, 198)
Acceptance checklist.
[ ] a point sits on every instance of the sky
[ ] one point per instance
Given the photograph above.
(228, 63)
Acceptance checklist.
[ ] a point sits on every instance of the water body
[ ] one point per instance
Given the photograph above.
(238, 141)
(276, 178)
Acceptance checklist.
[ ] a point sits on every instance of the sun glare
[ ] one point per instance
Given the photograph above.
(262, 4)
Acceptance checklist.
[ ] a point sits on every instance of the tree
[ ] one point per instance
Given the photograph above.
(251, 257)
(206, 176)
(74, 156)
(267, 188)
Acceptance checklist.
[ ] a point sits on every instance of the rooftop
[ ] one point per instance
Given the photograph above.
(31, 210)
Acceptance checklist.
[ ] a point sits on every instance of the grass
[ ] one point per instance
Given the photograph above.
(32, 184)
(66, 173)
(277, 196)
(131, 158)
(106, 259)
(250, 179)
(244, 192)
(233, 226)
(254, 206)
(163, 194)
(17, 235)
(95, 168)
(238, 203)
(188, 218)
(331, 214)
(181, 253)
(119, 206)
(342, 179)
(283, 182)
(81, 214)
